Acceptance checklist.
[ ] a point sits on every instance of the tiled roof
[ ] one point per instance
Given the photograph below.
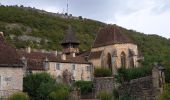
(35, 59)
(69, 59)
(95, 55)
(70, 37)
(8, 55)
(111, 34)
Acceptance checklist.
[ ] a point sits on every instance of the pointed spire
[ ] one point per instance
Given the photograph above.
(70, 37)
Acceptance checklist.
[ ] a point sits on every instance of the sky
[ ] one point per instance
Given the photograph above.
(147, 16)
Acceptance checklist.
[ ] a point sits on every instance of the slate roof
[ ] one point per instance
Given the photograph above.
(70, 37)
(8, 55)
(111, 34)
(95, 55)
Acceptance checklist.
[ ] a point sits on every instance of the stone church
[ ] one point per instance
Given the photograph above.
(112, 49)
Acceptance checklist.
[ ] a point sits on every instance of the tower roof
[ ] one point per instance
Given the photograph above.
(111, 34)
(70, 37)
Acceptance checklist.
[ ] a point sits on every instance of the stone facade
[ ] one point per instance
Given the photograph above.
(145, 88)
(78, 71)
(113, 55)
(11, 80)
(106, 84)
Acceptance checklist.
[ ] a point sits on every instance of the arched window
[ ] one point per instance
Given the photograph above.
(132, 63)
(123, 59)
(109, 61)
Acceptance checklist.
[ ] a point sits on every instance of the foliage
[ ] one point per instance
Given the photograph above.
(132, 73)
(165, 95)
(126, 97)
(19, 96)
(59, 94)
(102, 72)
(41, 86)
(33, 82)
(24, 20)
(167, 71)
(104, 96)
(85, 86)
(115, 94)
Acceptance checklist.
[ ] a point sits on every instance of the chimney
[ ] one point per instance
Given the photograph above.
(28, 49)
(74, 54)
(1, 33)
(63, 56)
(55, 52)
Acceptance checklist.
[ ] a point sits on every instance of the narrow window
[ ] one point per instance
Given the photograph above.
(88, 68)
(73, 66)
(58, 66)
(123, 59)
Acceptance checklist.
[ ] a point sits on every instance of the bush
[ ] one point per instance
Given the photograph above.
(85, 86)
(34, 83)
(165, 95)
(102, 72)
(104, 96)
(19, 96)
(132, 73)
(59, 94)
(42, 86)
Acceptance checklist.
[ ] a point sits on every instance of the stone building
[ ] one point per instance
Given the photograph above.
(112, 49)
(69, 60)
(11, 69)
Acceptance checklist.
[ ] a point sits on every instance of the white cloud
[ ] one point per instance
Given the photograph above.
(148, 16)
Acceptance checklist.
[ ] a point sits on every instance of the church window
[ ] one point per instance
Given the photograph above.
(123, 59)
(109, 61)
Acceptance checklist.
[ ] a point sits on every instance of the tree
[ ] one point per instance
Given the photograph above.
(34, 82)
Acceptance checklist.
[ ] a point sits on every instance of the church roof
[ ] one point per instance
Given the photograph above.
(70, 37)
(8, 55)
(95, 55)
(111, 34)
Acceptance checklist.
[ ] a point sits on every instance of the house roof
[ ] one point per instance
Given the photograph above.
(95, 55)
(8, 55)
(35, 60)
(70, 59)
(111, 34)
(70, 37)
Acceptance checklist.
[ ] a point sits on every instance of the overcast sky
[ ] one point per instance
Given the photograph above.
(148, 16)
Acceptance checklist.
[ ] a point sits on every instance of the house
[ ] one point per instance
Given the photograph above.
(11, 69)
(57, 64)
(112, 49)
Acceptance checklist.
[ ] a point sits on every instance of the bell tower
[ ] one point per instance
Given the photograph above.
(70, 43)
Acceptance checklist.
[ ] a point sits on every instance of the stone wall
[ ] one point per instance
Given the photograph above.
(104, 84)
(145, 88)
(141, 88)
(11, 80)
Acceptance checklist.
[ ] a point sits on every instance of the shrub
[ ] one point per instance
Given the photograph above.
(59, 94)
(165, 95)
(36, 85)
(19, 96)
(102, 72)
(104, 96)
(85, 86)
(132, 73)
(115, 94)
